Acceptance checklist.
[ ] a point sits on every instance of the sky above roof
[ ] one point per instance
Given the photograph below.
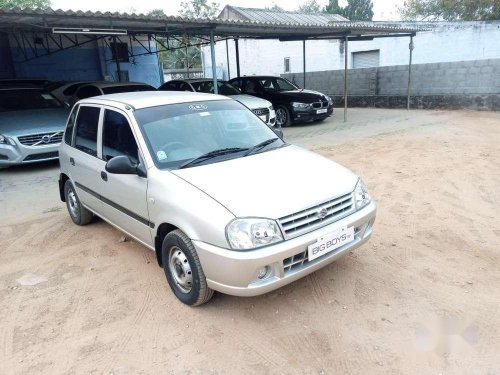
(383, 9)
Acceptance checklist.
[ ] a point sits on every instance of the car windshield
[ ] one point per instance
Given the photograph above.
(225, 88)
(277, 84)
(126, 88)
(19, 100)
(178, 133)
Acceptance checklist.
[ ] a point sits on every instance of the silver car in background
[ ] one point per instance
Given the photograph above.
(32, 123)
(225, 203)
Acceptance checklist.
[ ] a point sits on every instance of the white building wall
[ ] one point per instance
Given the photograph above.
(459, 41)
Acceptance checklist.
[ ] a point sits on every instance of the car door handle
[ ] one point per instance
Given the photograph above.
(104, 176)
(72, 161)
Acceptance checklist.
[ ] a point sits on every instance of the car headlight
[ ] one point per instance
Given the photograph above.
(361, 195)
(251, 233)
(330, 101)
(271, 108)
(3, 140)
(300, 105)
(6, 141)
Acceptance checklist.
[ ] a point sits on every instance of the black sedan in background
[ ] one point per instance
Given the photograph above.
(291, 103)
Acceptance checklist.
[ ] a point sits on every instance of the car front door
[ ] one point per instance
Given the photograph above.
(83, 161)
(123, 195)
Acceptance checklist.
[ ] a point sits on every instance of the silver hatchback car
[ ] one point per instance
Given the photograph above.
(202, 181)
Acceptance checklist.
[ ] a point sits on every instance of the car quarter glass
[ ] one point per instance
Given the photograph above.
(86, 129)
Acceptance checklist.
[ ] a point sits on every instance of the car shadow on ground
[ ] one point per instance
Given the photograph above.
(31, 167)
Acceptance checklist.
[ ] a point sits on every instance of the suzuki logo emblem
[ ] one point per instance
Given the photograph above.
(322, 213)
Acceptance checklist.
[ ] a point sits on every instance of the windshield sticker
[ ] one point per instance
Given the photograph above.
(161, 155)
(47, 96)
(198, 107)
(204, 114)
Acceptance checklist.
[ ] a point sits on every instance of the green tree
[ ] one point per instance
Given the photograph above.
(451, 10)
(156, 13)
(25, 4)
(199, 9)
(355, 10)
(333, 7)
(274, 7)
(310, 6)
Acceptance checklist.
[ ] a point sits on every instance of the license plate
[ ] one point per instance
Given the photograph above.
(321, 111)
(330, 242)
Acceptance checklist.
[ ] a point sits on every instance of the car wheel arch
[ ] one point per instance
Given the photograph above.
(161, 232)
(62, 181)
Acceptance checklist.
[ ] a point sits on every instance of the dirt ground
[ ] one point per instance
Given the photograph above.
(422, 297)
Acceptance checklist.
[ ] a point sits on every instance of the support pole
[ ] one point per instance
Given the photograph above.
(117, 62)
(237, 57)
(214, 68)
(227, 61)
(409, 73)
(345, 77)
(187, 58)
(304, 61)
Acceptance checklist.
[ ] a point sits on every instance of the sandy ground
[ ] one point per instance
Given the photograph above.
(421, 297)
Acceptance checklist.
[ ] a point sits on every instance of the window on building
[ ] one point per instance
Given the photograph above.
(365, 59)
(119, 51)
(117, 137)
(287, 64)
(86, 129)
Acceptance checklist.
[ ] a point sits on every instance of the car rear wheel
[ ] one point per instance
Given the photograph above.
(183, 269)
(282, 116)
(78, 213)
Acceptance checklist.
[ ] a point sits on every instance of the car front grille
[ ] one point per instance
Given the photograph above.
(41, 139)
(42, 156)
(315, 217)
(300, 260)
(261, 111)
(321, 104)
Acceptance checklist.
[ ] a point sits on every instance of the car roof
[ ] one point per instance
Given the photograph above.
(17, 88)
(146, 99)
(111, 84)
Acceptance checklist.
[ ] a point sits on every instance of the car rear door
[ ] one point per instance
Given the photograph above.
(83, 161)
(123, 195)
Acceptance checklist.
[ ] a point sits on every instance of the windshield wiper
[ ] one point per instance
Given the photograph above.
(211, 154)
(260, 145)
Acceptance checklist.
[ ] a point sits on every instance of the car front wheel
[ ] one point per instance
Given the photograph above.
(183, 269)
(282, 116)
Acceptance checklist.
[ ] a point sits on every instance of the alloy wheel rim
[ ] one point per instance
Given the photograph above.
(280, 116)
(180, 269)
(73, 204)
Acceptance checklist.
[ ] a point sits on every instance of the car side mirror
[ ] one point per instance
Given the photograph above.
(123, 165)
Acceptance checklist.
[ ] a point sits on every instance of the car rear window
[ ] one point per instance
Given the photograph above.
(18, 100)
(127, 88)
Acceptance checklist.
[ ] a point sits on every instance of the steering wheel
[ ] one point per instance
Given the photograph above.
(168, 147)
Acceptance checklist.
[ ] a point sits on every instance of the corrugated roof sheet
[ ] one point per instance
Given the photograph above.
(39, 19)
(278, 16)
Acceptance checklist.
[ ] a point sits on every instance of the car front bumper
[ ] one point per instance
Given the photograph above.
(21, 154)
(311, 114)
(235, 272)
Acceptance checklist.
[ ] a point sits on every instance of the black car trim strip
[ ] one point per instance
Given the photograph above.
(117, 206)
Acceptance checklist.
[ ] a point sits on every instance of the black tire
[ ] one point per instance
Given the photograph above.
(281, 110)
(78, 213)
(195, 293)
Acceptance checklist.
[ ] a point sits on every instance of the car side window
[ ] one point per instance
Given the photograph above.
(87, 92)
(68, 134)
(251, 87)
(236, 82)
(183, 86)
(170, 86)
(117, 137)
(87, 124)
